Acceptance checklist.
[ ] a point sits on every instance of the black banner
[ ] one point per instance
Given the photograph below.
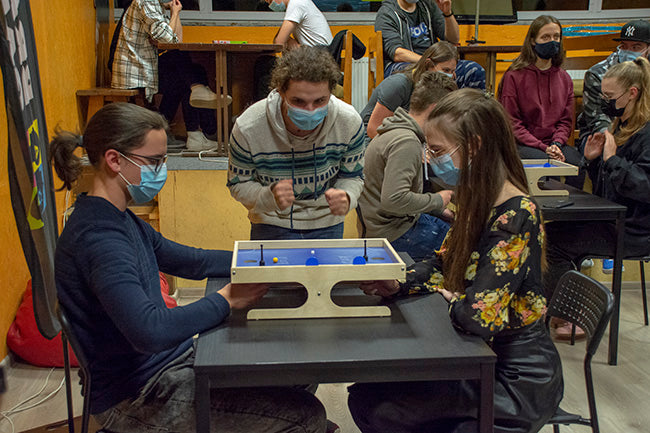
(30, 177)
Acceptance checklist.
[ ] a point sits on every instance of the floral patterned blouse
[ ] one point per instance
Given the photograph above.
(503, 281)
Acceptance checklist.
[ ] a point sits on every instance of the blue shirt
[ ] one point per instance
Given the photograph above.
(106, 270)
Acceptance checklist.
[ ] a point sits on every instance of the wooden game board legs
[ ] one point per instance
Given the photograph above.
(319, 304)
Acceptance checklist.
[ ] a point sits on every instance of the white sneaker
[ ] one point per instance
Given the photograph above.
(203, 97)
(197, 141)
(587, 263)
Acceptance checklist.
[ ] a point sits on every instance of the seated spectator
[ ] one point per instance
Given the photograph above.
(296, 157)
(395, 91)
(140, 353)
(392, 204)
(618, 162)
(303, 24)
(137, 64)
(410, 27)
(538, 95)
(634, 42)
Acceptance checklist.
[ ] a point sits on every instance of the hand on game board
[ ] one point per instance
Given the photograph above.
(554, 152)
(283, 193)
(243, 295)
(594, 146)
(380, 287)
(338, 201)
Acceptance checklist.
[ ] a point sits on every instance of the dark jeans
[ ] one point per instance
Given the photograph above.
(571, 155)
(424, 238)
(166, 404)
(468, 73)
(568, 242)
(270, 232)
(176, 74)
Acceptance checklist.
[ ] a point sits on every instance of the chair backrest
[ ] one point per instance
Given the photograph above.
(71, 338)
(585, 302)
(346, 67)
(78, 351)
(375, 61)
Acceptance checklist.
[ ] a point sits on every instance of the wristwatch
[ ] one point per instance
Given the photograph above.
(447, 16)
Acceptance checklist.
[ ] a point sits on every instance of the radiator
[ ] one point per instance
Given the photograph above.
(360, 83)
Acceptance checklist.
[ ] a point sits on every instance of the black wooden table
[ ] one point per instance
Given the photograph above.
(416, 343)
(589, 207)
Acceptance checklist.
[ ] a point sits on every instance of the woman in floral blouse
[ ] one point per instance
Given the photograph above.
(490, 271)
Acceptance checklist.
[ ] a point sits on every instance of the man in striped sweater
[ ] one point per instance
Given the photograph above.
(296, 157)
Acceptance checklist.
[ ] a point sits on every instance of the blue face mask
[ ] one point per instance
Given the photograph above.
(628, 55)
(277, 7)
(547, 50)
(443, 167)
(305, 119)
(151, 182)
(448, 74)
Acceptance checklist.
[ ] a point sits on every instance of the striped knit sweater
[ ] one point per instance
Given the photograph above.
(263, 152)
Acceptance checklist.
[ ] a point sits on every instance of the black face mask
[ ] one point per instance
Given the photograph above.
(609, 108)
(547, 50)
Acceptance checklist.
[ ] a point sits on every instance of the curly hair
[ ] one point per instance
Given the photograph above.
(312, 64)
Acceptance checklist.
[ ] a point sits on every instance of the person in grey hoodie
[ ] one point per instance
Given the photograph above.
(392, 204)
(296, 157)
(409, 27)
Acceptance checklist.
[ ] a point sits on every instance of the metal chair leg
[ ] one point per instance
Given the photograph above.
(643, 292)
(68, 386)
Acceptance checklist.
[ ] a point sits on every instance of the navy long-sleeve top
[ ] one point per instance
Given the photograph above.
(107, 280)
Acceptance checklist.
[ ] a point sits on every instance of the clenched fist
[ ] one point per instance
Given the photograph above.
(338, 201)
(283, 193)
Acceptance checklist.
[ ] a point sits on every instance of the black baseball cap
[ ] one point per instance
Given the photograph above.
(635, 30)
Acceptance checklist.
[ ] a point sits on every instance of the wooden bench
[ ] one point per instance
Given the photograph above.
(89, 101)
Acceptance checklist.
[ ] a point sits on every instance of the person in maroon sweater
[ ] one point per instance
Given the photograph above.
(538, 95)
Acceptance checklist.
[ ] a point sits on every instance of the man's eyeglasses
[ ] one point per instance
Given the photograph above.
(156, 161)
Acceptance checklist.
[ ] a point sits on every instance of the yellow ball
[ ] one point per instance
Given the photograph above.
(275, 259)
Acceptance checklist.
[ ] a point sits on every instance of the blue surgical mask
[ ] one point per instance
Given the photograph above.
(447, 74)
(443, 167)
(277, 7)
(151, 182)
(306, 119)
(547, 50)
(628, 55)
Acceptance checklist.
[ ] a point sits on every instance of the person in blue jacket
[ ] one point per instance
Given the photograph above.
(140, 353)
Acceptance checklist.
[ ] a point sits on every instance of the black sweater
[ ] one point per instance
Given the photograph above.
(625, 179)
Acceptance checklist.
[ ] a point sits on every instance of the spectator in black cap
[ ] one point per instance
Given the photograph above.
(634, 42)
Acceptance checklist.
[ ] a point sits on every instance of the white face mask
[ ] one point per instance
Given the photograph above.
(629, 55)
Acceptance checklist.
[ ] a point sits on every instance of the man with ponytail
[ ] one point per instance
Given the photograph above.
(140, 353)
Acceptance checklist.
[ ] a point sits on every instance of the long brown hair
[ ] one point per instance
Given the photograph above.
(439, 52)
(632, 74)
(479, 125)
(527, 56)
(119, 125)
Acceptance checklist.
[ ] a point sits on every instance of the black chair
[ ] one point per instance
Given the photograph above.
(641, 260)
(586, 303)
(67, 336)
